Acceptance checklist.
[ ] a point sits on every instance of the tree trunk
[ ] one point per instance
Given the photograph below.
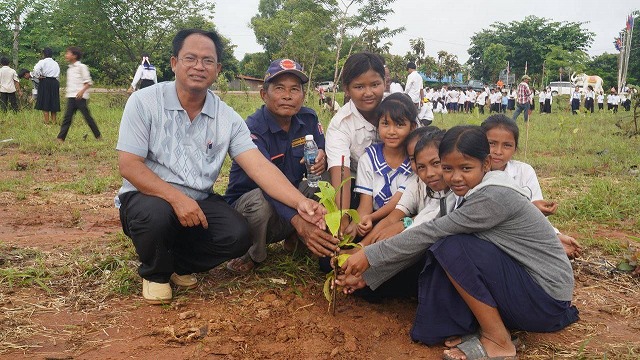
(16, 35)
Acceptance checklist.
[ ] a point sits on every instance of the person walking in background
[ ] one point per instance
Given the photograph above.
(575, 100)
(414, 87)
(600, 101)
(146, 75)
(9, 84)
(78, 82)
(523, 101)
(588, 98)
(47, 71)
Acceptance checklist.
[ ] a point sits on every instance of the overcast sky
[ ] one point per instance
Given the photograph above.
(449, 24)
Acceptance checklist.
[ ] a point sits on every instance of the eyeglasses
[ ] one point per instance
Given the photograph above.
(191, 61)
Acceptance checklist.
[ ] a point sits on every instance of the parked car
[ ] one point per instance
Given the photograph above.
(561, 87)
(326, 85)
(476, 85)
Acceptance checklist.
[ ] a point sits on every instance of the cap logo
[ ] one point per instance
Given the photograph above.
(287, 64)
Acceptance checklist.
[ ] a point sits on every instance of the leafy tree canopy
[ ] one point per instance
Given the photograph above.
(528, 41)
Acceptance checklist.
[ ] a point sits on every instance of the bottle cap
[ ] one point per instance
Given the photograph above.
(308, 137)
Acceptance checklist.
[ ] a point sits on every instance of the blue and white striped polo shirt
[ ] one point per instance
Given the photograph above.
(187, 154)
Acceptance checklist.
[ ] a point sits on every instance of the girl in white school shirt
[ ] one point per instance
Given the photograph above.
(353, 128)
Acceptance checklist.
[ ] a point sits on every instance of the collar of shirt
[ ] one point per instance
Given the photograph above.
(173, 103)
(380, 165)
(350, 109)
(270, 123)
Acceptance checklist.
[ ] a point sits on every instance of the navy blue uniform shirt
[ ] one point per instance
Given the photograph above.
(284, 149)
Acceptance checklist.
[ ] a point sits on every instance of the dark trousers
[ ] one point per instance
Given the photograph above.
(6, 98)
(600, 106)
(575, 106)
(588, 104)
(481, 108)
(74, 105)
(164, 246)
(489, 275)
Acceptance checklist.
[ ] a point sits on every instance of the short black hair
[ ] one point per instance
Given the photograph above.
(411, 65)
(359, 63)
(469, 140)
(399, 107)
(47, 52)
(75, 51)
(178, 40)
(4, 61)
(22, 73)
(504, 122)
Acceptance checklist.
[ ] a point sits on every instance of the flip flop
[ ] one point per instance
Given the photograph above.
(473, 350)
(514, 339)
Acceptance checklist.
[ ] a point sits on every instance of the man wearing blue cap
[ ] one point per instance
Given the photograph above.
(278, 129)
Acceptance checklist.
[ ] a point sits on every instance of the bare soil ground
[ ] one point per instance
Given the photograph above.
(60, 251)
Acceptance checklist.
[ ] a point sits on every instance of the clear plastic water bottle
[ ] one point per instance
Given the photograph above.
(310, 154)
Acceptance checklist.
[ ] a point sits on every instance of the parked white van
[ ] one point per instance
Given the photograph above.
(561, 87)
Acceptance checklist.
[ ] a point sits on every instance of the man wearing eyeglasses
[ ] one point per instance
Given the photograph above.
(173, 139)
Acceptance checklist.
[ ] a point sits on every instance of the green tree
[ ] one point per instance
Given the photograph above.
(254, 64)
(448, 65)
(495, 59)
(418, 47)
(352, 19)
(295, 29)
(528, 42)
(13, 14)
(569, 61)
(113, 33)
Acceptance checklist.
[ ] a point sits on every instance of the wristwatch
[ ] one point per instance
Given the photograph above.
(407, 221)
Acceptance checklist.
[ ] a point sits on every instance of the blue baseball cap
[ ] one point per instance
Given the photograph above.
(282, 66)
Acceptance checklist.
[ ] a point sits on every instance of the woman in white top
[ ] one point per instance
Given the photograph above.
(588, 98)
(146, 75)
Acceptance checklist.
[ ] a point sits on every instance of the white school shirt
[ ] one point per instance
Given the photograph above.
(482, 98)
(395, 87)
(576, 95)
(589, 94)
(413, 87)
(600, 99)
(373, 176)
(541, 96)
(46, 67)
(432, 210)
(77, 76)
(8, 79)
(143, 73)
(462, 98)
(525, 176)
(472, 95)
(348, 134)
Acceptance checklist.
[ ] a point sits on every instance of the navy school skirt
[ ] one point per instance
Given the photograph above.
(48, 95)
(489, 275)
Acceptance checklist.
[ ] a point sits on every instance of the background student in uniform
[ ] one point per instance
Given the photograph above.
(26, 74)
(588, 98)
(146, 75)
(9, 85)
(503, 135)
(78, 83)
(47, 71)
